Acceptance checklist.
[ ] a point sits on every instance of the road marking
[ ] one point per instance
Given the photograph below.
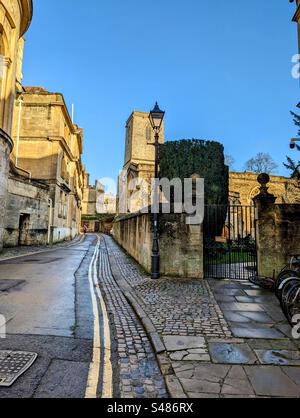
(94, 371)
(107, 389)
(95, 366)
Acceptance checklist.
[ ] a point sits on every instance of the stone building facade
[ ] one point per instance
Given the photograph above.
(243, 187)
(28, 211)
(107, 204)
(47, 151)
(15, 18)
(89, 199)
(89, 216)
(139, 165)
(98, 207)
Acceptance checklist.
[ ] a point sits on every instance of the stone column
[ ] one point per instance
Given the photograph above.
(278, 231)
(6, 146)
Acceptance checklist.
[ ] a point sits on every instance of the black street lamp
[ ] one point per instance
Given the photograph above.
(156, 118)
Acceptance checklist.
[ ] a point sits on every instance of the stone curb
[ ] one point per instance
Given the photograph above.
(174, 387)
(156, 341)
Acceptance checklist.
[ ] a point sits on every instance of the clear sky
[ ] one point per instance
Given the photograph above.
(220, 69)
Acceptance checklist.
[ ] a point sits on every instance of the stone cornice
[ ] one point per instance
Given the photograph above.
(74, 129)
(6, 138)
(26, 15)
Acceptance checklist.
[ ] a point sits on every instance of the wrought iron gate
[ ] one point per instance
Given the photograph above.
(230, 242)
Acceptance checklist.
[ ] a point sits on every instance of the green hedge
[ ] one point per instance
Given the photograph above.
(181, 159)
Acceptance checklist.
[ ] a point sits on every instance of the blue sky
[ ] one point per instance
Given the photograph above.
(220, 69)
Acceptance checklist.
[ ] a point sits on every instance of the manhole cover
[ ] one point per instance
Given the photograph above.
(13, 364)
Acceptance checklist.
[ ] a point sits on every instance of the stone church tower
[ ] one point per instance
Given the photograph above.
(139, 157)
(139, 148)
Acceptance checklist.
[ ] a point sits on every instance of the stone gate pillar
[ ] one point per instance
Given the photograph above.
(6, 146)
(278, 231)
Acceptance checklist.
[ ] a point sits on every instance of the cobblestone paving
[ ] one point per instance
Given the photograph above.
(139, 374)
(27, 250)
(175, 306)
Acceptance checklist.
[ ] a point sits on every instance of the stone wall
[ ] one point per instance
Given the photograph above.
(26, 198)
(5, 149)
(59, 234)
(181, 245)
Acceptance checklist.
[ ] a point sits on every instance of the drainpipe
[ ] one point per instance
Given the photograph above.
(50, 203)
(18, 139)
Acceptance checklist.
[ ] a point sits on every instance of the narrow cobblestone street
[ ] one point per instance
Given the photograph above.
(124, 335)
(79, 338)
(149, 202)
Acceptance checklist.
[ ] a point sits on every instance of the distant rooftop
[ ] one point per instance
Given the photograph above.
(36, 90)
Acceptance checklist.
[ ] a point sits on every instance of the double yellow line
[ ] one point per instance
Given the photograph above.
(97, 363)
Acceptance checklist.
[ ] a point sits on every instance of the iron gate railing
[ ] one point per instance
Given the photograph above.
(230, 242)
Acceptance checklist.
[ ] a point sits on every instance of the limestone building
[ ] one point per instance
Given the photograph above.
(97, 206)
(28, 211)
(47, 154)
(107, 204)
(89, 199)
(89, 216)
(15, 18)
(139, 164)
(243, 187)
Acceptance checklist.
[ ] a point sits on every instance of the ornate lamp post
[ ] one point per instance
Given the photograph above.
(156, 118)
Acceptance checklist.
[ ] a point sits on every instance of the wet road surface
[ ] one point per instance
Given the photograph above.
(67, 306)
(51, 307)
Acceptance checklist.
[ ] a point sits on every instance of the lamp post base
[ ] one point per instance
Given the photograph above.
(155, 267)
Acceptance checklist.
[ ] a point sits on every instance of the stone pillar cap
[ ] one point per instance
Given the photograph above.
(264, 197)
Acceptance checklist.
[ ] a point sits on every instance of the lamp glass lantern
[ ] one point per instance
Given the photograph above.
(156, 117)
